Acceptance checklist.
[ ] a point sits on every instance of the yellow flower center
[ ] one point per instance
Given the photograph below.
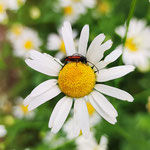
(62, 47)
(1, 8)
(28, 45)
(76, 79)
(68, 10)
(90, 108)
(24, 109)
(131, 45)
(104, 7)
(17, 29)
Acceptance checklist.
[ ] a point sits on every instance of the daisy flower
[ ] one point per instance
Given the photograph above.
(78, 78)
(20, 111)
(91, 144)
(55, 42)
(137, 47)
(23, 39)
(15, 31)
(3, 8)
(53, 140)
(3, 131)
(74, 8)
(104, 7)
(15, 4)
(35, 12)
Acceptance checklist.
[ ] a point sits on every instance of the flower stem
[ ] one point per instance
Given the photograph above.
(131, 11)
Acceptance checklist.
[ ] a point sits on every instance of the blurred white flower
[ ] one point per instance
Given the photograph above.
(15, 32)
(8, 4)
(3, 8)
(53, 140)
(74, 8)
(55, 42)
(3, 131)
(20, 111)
(23, 39)
(15, 4)
(77, 79)
(35, 12)
(90, 143)
(137, 47)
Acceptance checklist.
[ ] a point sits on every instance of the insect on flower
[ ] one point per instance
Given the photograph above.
(78, 58)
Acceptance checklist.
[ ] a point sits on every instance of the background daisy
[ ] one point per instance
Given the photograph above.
(91, 143)
(23, 39)
(3, 131)
(137, 47)
(20, 111)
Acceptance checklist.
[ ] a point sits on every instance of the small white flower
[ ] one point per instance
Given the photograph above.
(91, 144)
(74, 8)
(137, 47)
(20, 111)
(3, 8)
(3, 131)
(23, 39)
(77, 80)
(35, 12)
(53, 140)
(15, 32)
(15, 4)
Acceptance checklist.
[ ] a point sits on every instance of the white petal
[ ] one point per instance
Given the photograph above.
(54, 42)
(39, 100)
(114, 92)
(55, 112)
(114, 72)
(43, 87)
(104, 103)
(114, 55)
(43, 63)
(100, 65)
(94, 51)
(60, 114)
(103, 144)
(108, 118)
(82, 117)
(121, 31)
(68, 39)
(84, 37)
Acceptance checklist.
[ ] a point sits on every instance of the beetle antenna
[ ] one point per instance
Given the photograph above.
(93, 67)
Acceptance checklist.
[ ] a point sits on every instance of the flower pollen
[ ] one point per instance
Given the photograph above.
(62, 47)
(1, 8)
(17, 30)
(76, 79)
(68, 10)
(130, 44)
(90, 108)
(28, 45)
(24, 109)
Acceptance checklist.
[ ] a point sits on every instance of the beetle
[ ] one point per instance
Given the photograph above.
(78, 58)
